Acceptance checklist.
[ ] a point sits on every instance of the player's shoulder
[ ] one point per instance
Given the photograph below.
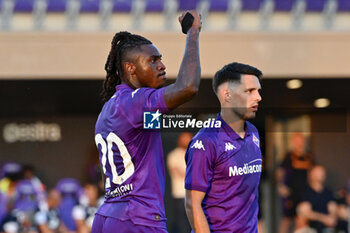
(252, 128)
(141, 92)
(203, 139)
(127, 97)
(125, 91)
(206, 134)
(144, 96)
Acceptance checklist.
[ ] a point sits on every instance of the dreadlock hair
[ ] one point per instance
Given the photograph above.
(232, 72)
(121, 44)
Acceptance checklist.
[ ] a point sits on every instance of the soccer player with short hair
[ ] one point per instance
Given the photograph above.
(132, 157)
(224, 164)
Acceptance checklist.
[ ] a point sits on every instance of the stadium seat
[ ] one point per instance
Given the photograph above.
(71, 191)
(284, 5)
(187, 4)
(218, 5)
(26, 197)
(56, 5)
(154, 5)
(343, 5)
(90, 6)
(253, 5)
(122, 6)
(158, 5)
(24, 6)
(315, 5)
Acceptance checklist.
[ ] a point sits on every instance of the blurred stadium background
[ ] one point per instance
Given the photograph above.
(52, 55)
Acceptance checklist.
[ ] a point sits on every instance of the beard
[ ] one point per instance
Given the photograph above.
(243, 113)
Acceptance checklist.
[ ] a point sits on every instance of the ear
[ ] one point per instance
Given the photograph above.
(226, 95)
(129, 68)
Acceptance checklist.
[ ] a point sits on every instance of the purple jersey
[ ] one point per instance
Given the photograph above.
(227, 168)
(132, 157)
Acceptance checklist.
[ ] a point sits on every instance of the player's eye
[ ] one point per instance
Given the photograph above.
(155, 59)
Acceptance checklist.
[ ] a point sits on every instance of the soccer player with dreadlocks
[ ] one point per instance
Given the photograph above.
(132, 157)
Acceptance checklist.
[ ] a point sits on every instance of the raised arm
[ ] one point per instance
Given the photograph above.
(188, 78)
(194, 211)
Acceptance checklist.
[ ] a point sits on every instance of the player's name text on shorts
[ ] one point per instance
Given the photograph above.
(121, 190)
(32, 132)
(245, 170)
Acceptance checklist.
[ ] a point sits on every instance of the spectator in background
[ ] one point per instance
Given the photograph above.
(342, 211)
(48, 221)
(11, 222)
(84, 213)
(70, 190)
(318, 207)
(10, 174)
(291, 179)
(177, 170)
(21, 209)
(29, 174)
(26, 199)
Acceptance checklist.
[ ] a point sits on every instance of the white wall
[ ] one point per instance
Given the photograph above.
(67, 55)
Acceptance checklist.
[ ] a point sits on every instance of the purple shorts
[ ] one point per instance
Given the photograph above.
(103, 224)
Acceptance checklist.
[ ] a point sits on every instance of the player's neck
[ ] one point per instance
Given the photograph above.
(235, 122)
(130, 84)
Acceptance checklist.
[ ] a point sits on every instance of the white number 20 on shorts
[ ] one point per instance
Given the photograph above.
(107, 154)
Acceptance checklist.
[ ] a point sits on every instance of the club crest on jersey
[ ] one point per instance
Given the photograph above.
(198, 145)
(151, 120)
(256, 141)
(229, 146)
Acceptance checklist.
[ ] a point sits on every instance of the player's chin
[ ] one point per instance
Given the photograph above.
(161, 82)
(249, 115)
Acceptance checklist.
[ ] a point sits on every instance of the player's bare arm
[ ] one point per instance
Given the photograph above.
(188, 78)
(194, 211)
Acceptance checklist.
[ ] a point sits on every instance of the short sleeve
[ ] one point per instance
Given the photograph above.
(200, 160)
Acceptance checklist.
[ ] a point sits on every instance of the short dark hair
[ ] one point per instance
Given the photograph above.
(232, 72)
(122, 43)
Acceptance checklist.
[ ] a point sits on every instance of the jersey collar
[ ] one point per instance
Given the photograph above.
(122, 86)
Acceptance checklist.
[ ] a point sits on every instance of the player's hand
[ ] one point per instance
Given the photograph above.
(197, 23)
